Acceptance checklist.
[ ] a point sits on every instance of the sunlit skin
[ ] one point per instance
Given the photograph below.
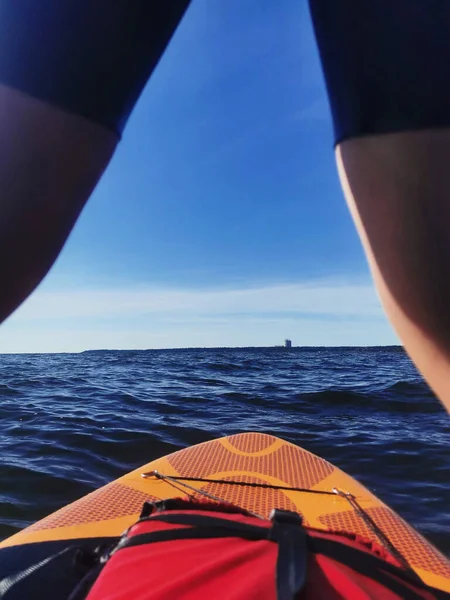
(50, 163)
(397, 189)
(396, 186)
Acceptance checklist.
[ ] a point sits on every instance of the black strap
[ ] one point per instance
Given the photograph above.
(171, 535)
(210, 521)
(286, 531)
(292, 558)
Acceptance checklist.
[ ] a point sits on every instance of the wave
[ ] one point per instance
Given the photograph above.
(409, 388)
(225, 367)
(6, 390)
(397, 398)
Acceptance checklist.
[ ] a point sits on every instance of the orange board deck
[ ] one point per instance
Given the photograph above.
(248, 457)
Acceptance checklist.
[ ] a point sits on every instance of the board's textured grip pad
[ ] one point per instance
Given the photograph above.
(279, 461)
(261, 504)
(109, 502)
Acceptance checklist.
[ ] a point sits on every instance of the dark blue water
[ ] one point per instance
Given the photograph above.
(72, 422)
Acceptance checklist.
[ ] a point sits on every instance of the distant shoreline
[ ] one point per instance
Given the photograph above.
(279, 347)
(209, 348)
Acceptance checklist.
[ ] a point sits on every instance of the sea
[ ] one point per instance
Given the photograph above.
(70, 423)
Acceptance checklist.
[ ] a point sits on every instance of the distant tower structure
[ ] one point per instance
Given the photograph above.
(287, 344)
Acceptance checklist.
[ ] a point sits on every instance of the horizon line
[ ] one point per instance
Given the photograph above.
(278, 347)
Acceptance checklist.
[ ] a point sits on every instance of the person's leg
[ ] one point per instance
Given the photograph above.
(387, 68)
(70, 74)
(398, 190)
(51, 162)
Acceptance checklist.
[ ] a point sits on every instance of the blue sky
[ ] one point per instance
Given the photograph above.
(220, 220)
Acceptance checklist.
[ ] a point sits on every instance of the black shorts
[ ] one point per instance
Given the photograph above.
(386, 62)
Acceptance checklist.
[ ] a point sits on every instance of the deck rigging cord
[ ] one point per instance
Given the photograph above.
(177, 481)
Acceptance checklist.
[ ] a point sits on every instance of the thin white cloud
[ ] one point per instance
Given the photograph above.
(318, 313)
(303, 332)
(314, 298)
